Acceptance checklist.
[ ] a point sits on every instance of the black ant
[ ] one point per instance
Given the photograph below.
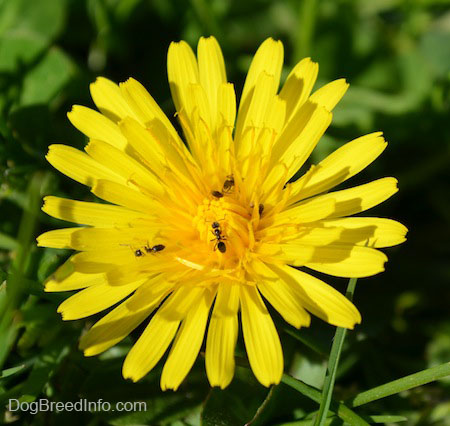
(154, 249)
(148, 249)
(261, 209)
(228, 185)
(218, 237)
(216, 194)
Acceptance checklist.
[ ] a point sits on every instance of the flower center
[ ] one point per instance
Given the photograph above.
(226, 228)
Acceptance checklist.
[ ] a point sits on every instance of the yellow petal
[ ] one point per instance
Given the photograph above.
(150, 347)
(298, 85)
(78, 166)
(109, 99)
(344, 261)
(131, 170)
(305, 212)
(311, 123)
(370, 231)
(260, 102)
(121, 321)
(189, 339)
(319, 298)
(180, 301)
(100, 239)
(329, 95)
(58, 238)
(269, 59)
(339, 166)
(359, 198)
(85, 213)
(182, 70)
(65, 278)
(212, 74)
(261, 338)
(94, 299)
(280, 296)
(96, 126)
(146, 109)
(222, 336)
(124, 196)
(220, 344)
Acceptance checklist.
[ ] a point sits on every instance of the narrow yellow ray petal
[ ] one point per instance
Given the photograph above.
(343, 260)
(122, 320)
(185, 348)
(197, 99)
(96, 126)
(280, 295)
(91, 262)
(226, 105)
(359, 198)
(180, 301)
(275, 116)
(145, 145)
(370, 231)
(65, 278)
(212, 74)
(339, 166)
(146, 108)
(58, 238)
(150, 347)
(109, 99)
(269, 59)
(329, 95)
(78, 165)
(261, 338)
(131, 170)
(98, 239)
(319, 298)
(262, 99)
(222, 336)
(298, 85)
(305, 212)
(125, 196)
(86, 213)
(220, 344)
(298, 151)
(182, 70)
(94, 299)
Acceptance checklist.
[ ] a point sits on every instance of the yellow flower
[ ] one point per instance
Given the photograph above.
(214, 227)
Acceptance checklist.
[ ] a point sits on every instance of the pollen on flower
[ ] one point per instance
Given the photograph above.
(227, 227)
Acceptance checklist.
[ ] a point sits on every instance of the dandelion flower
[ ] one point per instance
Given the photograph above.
(197, 235)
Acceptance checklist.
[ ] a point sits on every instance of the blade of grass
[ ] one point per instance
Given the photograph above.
(399, 385)
(333, 362)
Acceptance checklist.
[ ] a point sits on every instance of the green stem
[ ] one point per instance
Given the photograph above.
(400, 385)
(307, 20)
(333, 364)
(16, 287)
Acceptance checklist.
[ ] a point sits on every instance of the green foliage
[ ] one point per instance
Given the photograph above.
(393, 367)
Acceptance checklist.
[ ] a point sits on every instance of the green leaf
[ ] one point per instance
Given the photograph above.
(47, 78)
(26, 28)
(400, 385)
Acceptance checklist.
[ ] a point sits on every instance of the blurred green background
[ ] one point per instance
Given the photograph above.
(396, 56)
